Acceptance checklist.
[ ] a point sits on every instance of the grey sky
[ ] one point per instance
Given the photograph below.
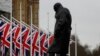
(5, 5)
(85, 13)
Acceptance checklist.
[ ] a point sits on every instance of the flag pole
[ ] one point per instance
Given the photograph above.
(48, 30)
(75, 41)
(31, 29)
(21, 29)
(39, 41)
(11, 31)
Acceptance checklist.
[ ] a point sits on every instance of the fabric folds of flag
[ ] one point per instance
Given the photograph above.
(40, 40)
(43, 44)
(4, 35)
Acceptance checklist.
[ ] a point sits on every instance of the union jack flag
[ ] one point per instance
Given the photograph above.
(40, 39)
(4, 35)
(51, 39)
(26, 40)
(5, 32)
(43, 44)
(35, 44)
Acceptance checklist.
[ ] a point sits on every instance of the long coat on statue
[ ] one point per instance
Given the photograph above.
(62, 30)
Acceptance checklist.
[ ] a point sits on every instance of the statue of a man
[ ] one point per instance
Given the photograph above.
(62, 31)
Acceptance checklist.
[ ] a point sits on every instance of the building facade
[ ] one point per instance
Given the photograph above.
(26, 10)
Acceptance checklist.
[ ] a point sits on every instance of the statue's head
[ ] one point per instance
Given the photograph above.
(57, 6)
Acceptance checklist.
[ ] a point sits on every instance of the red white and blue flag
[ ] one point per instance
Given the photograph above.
(16, 37)
(43, 44)
(40, 40)
(4, 35)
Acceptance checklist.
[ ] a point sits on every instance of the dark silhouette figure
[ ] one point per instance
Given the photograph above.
(62, 31)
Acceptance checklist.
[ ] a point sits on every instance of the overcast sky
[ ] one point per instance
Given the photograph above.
(85, 14)
(5, 5)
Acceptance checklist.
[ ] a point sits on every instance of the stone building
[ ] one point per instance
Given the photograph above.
(26, 10)
(5, 8)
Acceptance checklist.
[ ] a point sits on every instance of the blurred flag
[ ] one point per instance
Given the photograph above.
(4, 35)
(38, 38)
(16, 37)
(43, 44)
(51, 39)
(35, 44)
(26, 39)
